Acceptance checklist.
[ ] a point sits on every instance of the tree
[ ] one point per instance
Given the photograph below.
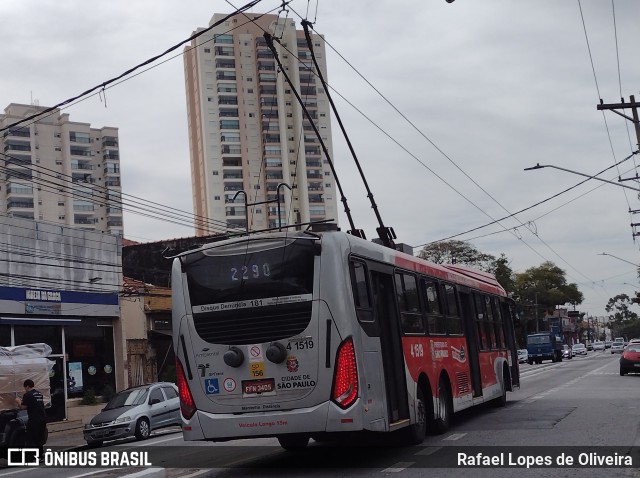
(504, 273)
(622, 320)
(457, 252)
(543, 288)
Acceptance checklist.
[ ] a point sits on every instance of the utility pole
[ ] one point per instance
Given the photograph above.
(537, 318)
(633, 106)
(623, 106)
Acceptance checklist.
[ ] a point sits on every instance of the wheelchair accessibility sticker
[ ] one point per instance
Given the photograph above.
(211, 386)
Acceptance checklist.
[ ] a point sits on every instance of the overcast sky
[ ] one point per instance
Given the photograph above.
(468, 95)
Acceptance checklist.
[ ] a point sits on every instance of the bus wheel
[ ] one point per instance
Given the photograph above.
(501, 401)
(416, 433)
(442, 422)
(293, 442)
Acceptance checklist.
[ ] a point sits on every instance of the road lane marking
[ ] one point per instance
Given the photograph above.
(398, 467)
(455, 436)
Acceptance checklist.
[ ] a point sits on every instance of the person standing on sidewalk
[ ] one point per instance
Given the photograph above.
(33, 402)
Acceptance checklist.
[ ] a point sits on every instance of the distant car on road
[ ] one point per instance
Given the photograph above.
(566, 352)
(523, 355)
(617, 347)
(630, 359)
(607, 344)
(135, 412)
(590, 346)
(579, 349)
(598, 345)
(634, 341)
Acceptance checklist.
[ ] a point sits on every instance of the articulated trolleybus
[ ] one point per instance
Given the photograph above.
(300, 335)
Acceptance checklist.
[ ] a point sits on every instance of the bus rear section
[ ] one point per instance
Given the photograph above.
(258, 354)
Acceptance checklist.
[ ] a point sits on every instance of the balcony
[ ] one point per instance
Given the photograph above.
(82, 165)
(232, 175)
(229, 113)
(79, 151)
(84, 208)
(223, 39)
(227, 149)
(274, 175)
(18, 132)
(225, 63)
(111, 155)
(271, 138)
(114, 222)
(234, 162)
(110, 141)
(23, 203)
(223, 51)
(84, 221)
(19, 189)
(227, 100)
(13, 146)
(226, 75)
(112, 182)
(313, 164)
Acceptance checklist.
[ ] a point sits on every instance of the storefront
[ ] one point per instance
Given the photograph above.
(81, 329)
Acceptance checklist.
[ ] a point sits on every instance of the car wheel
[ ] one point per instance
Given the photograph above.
(143, 430)
(94, 443)
(293, 442)
(501, 401)
(623, 372)
(530, 361)
(441, 424)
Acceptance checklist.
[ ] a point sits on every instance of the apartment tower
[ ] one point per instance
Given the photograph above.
(60, 171)
(248, 132)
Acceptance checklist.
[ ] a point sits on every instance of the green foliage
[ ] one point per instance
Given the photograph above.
(89, 397)
(504, 273)
(546, 287)
(457, 252)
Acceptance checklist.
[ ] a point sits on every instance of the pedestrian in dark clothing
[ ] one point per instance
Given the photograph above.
(33, 402)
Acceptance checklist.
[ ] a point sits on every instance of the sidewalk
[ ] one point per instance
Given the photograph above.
(67, 434)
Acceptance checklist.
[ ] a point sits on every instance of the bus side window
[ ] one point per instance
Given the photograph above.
(497, 318)
(454, 321)
(409, 304)
(480, 316)
(488, 323)
(435, 319)
(361, 294)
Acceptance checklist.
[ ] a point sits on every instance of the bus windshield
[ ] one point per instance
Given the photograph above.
(251, 292)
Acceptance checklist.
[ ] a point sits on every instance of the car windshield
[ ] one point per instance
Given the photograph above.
(127, 398)
(633, 348)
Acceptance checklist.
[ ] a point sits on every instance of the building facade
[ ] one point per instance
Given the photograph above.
(60, 286)
(60, 171)
(248, 132)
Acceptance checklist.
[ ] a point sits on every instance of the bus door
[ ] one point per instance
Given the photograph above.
(391, 345)
(471, 334)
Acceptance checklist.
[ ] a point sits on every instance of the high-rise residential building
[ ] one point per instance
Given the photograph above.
(248, 132)
(60, 171)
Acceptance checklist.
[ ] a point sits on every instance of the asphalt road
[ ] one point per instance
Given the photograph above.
(569, 407)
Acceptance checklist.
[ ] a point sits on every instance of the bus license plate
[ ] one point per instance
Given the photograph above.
(257, 386)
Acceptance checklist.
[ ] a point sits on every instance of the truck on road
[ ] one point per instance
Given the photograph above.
(545, 345)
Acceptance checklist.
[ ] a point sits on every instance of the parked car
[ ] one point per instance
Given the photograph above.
(634, 341)
(579, 349)
(523, 355)
(590, 346)
(617, 347)
(630, 359)
(135, 412)
(598, 345)
(607, 344)
(567, 352)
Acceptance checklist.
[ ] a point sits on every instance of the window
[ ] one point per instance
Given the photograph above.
(216, 198)
(360, 290)
(435, 319)
(498, 323)
(215, 173)
(169, 392)
(479, 319)
(156, 394)
(409, 304)
(488, 323)
(454, 321)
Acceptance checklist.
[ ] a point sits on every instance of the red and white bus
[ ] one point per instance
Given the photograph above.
(300, 335)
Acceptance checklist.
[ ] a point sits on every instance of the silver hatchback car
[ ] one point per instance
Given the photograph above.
(135, 412)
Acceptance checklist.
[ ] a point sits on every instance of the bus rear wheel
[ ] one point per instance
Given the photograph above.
(443, 420)
(294, 441)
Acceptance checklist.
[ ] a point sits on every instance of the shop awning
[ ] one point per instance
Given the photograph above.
(38, 321)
